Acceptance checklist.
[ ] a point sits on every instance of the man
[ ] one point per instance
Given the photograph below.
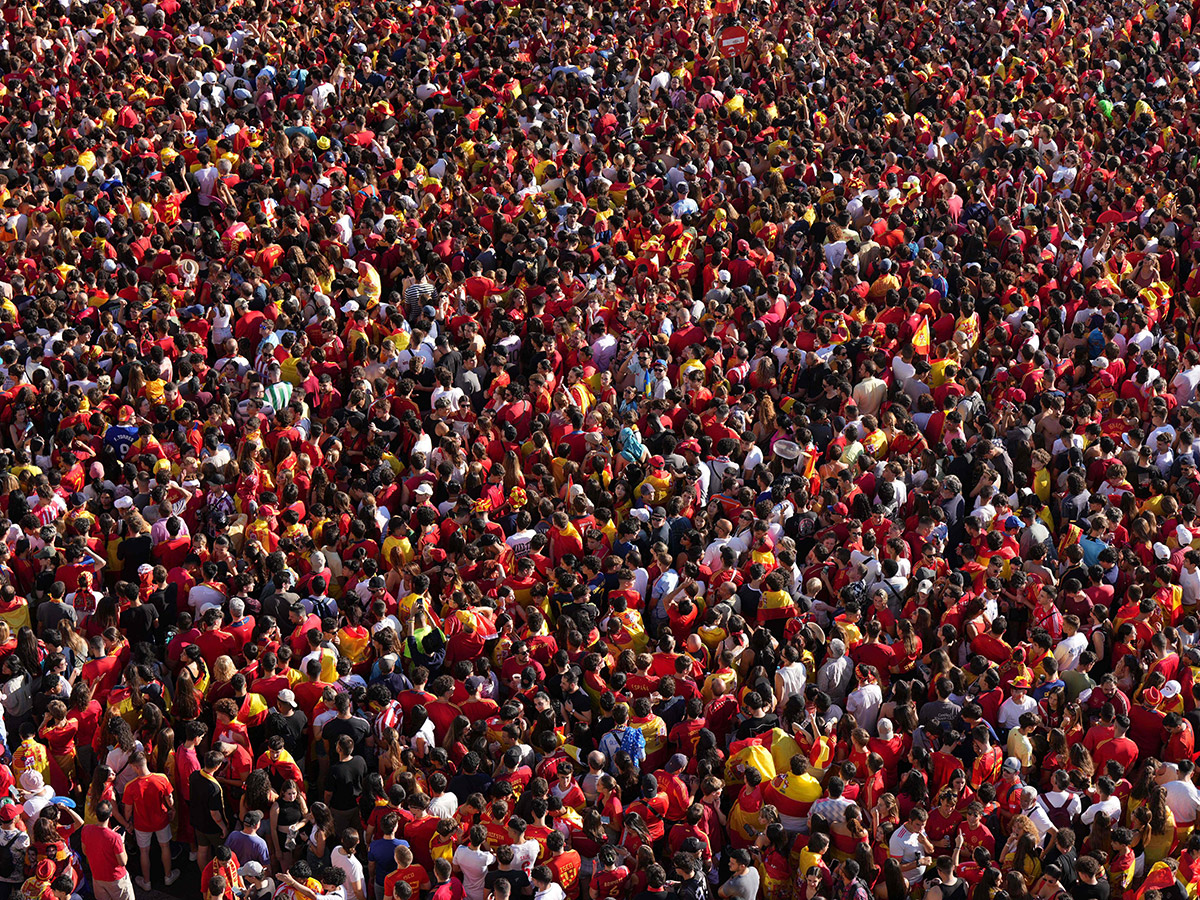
(246, 843)
(471, 861)
(207, 807)
(15, 841)
(103, 848)
(148, 800)
(692, 883)
(910, 847)
(544, 887)
(744, 879)
(344, 783)
(259, 886)
(564, 864)
(622, 737)
(331, 878)
(445, 885)
(1090, 885)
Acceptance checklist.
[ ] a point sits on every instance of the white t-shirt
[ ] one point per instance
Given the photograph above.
(525, 854)
(1068, 650)
(355, 883)
(1011, 710)
(905, 846)
(474, 865)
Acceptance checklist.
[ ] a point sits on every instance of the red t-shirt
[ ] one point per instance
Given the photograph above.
(148, 795)
(102, 846)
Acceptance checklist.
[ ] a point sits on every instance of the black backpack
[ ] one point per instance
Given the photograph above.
(8, 859)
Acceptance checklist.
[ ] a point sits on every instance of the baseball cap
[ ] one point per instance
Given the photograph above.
(251, 869)
(1012, 764)
(287, 696)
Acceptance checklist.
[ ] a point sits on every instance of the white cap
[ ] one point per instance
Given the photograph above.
(424, 488)
(925, 587)
(350, 307)
(1171, 689)
(123, 502)
(1162, 551)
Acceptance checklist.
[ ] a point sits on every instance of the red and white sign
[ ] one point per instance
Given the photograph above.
(733, 40)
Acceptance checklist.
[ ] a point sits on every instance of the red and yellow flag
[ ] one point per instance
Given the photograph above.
(920, 338)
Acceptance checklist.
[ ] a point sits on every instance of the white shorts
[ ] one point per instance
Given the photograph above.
(143, 837)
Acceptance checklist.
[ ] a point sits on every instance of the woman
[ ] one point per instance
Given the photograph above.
(1049, 885)
(258, 795)
(772, 848)
(891, 886)
(811, 886)
(58, 731)
(322, 837)
(118, 757)
(1154, 827)
(103, 788)
(1020, 853)
(289, 813)
(218, 682)
(848, 834)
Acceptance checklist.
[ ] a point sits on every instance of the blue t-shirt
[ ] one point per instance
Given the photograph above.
(249, 848)
(382, 852)
(121, 438)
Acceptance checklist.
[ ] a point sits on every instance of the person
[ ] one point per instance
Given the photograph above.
(445, 885)
(345, 857)
(246, 843)
(104, 849)
(544, 885)
(149, 800)
(259, 885)
(207, 804)
(471, 862)
(16, 841)
(743, 881)
(417, 398)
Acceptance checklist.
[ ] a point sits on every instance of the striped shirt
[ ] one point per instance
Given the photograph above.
(416, 297)
(278, 395)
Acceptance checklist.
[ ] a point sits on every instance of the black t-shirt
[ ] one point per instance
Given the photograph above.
(207, 801)
(138, 622)
(517, 880)
(291, 728)
(752, 727)
(345, 783)
(357, 728)
(1097, 891)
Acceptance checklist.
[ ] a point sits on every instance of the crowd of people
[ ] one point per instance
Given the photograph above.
(707, 450)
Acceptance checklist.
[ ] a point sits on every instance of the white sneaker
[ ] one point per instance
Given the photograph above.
(143, 883)
(173, 877)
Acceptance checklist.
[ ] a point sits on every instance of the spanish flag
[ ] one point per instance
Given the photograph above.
(920, 338)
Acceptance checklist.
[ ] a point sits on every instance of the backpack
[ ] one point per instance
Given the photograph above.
(1060, 816)
(8, 860)
(326, 607)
